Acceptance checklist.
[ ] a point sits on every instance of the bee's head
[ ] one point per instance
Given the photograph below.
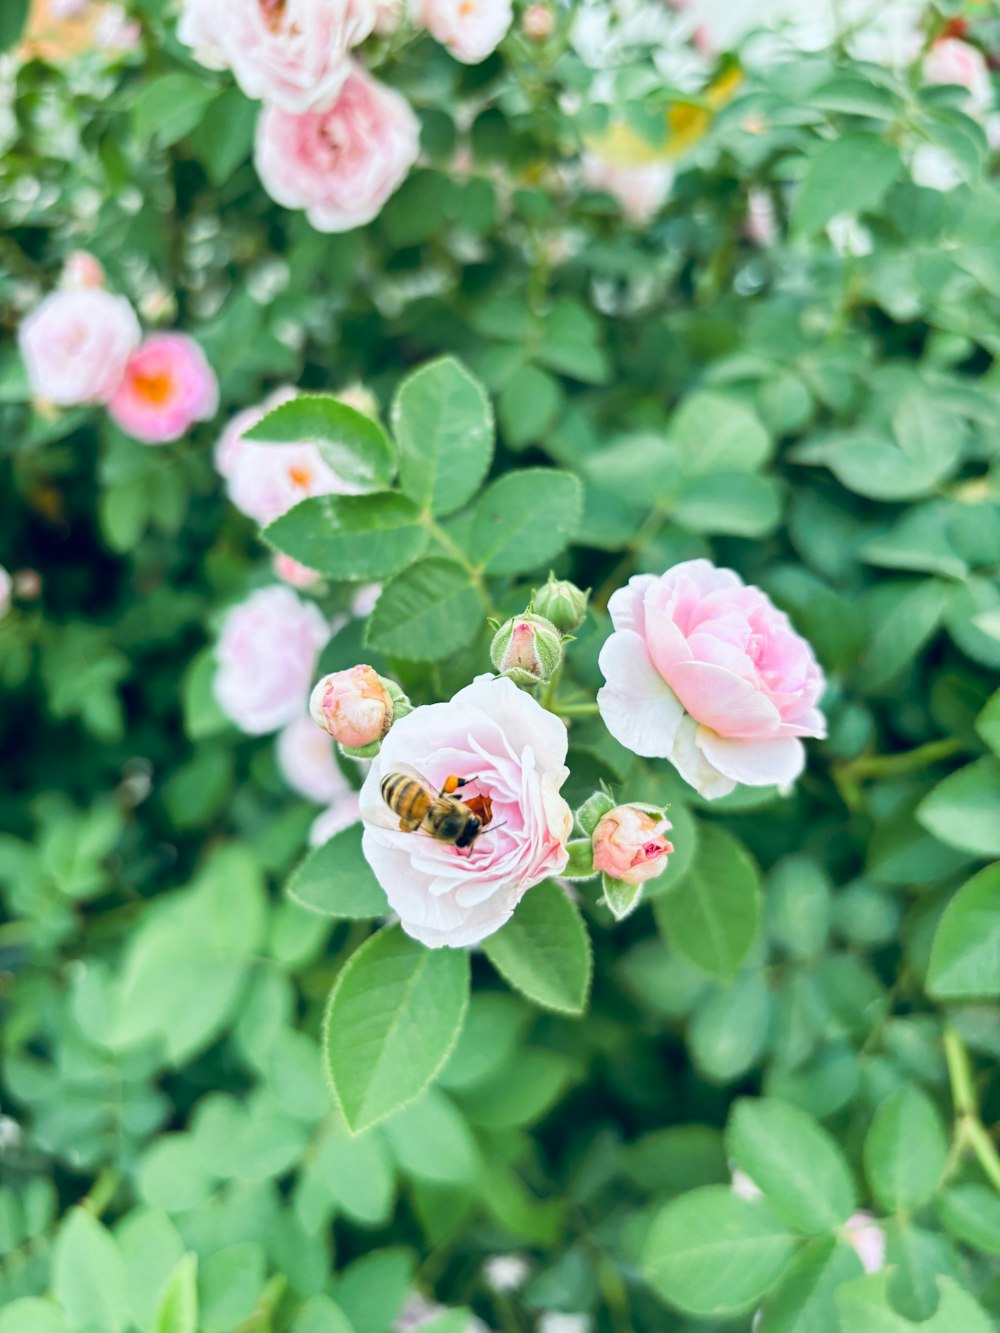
(470, 832)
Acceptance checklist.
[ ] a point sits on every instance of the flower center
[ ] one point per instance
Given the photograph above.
(155, 388)
(273, 14)
(300, 476)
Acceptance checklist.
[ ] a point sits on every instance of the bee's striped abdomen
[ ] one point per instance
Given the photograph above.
(405, 797)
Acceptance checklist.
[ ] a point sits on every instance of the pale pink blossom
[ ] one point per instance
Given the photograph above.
(76, 346)
(342, 163)
(516, 751)
(81, 270)
(115, 31)
(353, 706)
(630, 843)
(867, 1238)
(289, 53)
(951, 60)
(6, 591)
(538, 23)
(293, 573)
(168, 385)
(705, 671)
(308, 762)
(266, 658)
(470, 29)
(344, 812)
(761, 224)
(363, 601)
(640, 190)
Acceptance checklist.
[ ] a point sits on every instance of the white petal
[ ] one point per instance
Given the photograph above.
(757, 763)
(626, 605)
(638, 707)
(693, 766)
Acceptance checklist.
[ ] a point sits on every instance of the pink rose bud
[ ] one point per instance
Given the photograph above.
(76, 345)
(538, 23)
(527, 649)
(82, 270)
(353, 706)
(629, 843)
(167, 387)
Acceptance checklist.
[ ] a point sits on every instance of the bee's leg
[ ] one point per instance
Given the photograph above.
(452, 784)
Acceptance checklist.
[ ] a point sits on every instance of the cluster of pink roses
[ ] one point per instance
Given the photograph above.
(82, 345)
(331, 139)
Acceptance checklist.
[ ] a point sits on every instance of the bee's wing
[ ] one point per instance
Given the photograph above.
(380, 814)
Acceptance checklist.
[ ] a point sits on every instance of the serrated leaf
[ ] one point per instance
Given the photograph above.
(544, 950)
(905, 1150)
(336, 880)
(965, 955)
(426, 613)
(393, 1018)
(963, 810)
(355, 446)
(443, 423)
(351, 537)
(525, 520)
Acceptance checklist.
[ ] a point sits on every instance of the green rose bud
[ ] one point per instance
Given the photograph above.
(561, 602)
(527, 649)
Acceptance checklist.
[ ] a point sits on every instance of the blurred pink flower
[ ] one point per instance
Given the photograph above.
(340, 815)
(308, 763)
(266, 659)
(340, 164)
(76, 346)
(168, 385)
(630, 843)
(951, 60)
(867, 1238)
(81, 270)
(470, 29)
(706, 672)
(6, 591)
(516, 750)
(640, 190)
(294, 574)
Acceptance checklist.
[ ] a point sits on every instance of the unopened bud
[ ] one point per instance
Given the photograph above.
(290, 571)
(527, 649)
(354, 706)
(360, 398)
(630, 843)
(561, 602)
(81, 270)
(538, 23)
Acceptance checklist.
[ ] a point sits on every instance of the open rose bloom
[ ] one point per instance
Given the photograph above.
(706, 672)
(470, 29)
(167, 386)
(494, 732)
(76, 345)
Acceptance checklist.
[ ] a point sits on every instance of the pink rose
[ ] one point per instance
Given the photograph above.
(76, 345)
(168, 386)
(706, 672)
(951, 60)
(82, 269)
(353, 706)
(290, 53)
(344, 812)
(266, 656)
(516, 751)
(340, 164)
(640, 190)
(470, 29)
(308, 764)
(629, 843)
(293, 573)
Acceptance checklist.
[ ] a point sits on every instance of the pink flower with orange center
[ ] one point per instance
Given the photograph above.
(167, 386)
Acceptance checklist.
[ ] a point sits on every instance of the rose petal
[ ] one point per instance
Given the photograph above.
(757, 763)
(638, 707)
(716, 698)
(693, 765)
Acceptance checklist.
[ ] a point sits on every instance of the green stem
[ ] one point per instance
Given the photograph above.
(575, 710)
(103, 1190)
(550, 690)
(970, 1132)
(880, 765)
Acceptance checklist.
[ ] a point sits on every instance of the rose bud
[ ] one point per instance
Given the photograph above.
(561, 602)
(538, 23)
(354, 706)
(527, 649)
(629, 843)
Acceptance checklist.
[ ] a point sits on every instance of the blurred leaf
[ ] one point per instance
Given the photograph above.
(972, 1213)
(905, 1151)
(178, 1312)
(171, 106)
(336, 880)
(965, 956)
(847, 174)
(88, 1274)
(804, 1301)
(963, 810)
(716, 434)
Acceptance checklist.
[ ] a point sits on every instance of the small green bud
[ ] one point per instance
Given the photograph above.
(561, 602)
(527, 649)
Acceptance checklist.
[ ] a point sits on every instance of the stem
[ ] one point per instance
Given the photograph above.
(970, 1132)
(575, 710)
(878, 765)
(550, 690)
(102, 1191)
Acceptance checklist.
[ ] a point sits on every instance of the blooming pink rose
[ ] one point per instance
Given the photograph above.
(340, 164)
(344, 812)
(289, 53)
(470, 29)
(266, 658)
(640, 190)
(951, 60)
(168, 386)
(76, 345)
(706, 672)
(867, 1238)
(629, 843)
(516, 751)
(308, 764)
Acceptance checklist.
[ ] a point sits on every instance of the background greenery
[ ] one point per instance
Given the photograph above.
(825, 422)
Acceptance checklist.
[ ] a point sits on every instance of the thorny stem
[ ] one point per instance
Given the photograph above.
(970, 1132)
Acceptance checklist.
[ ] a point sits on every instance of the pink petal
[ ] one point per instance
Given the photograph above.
(626, 605)
(757, 763)
(726, 703)
(638, 707)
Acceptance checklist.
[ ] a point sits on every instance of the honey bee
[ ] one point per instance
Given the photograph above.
(441, 815)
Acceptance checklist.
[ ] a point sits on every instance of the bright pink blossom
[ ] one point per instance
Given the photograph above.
(266, 656)
(343, 162)
(76, 345)
(470, 29)
(630, 843)
(516, 750)
(353, 706)
(705, 671)
(168, 385)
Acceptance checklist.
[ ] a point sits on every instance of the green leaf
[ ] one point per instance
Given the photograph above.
(88, 1274)
(796, 1163)
(972, 1213)
(622, 899)
(916, 1259)
(730, 1027)
(357, 1171)
(443, 423)
(848, 174)
(988, 723)
(712, 917)
(718, 434)
(528, 406)
(544, 950)
(525, 520)
(320, 1314)
(13, 17)
(804, 1301)
(906, 1150)
(178, 1310)
(431, 1141)
(963, 810)
(336, 880)
(393, 1018)
(371, 1290)
(570, 343)
(426, 613)
(230, 1284)
(355, 446)
(351, 537)
(735, 504)
(171, 106)
(865, 1306)
(32, 1314)
(965, 955)
(712, 1253)
(152, 1249)
(798, 906)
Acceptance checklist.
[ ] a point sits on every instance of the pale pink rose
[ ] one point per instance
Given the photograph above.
(116, 32)
(344, 812)
(363, 601)
(76, 346)
(353, 706)
(867, 1238)
(706, 672)
(266, 658)
(6, 591)
(951, 60)
(538, 23)
(289, 53)
(81, 270)
(516, 751)
(340, 164)
(293, 573)
(470, 29)
(167, 387)
(308, 763)
(640, 190)
(630, 843)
